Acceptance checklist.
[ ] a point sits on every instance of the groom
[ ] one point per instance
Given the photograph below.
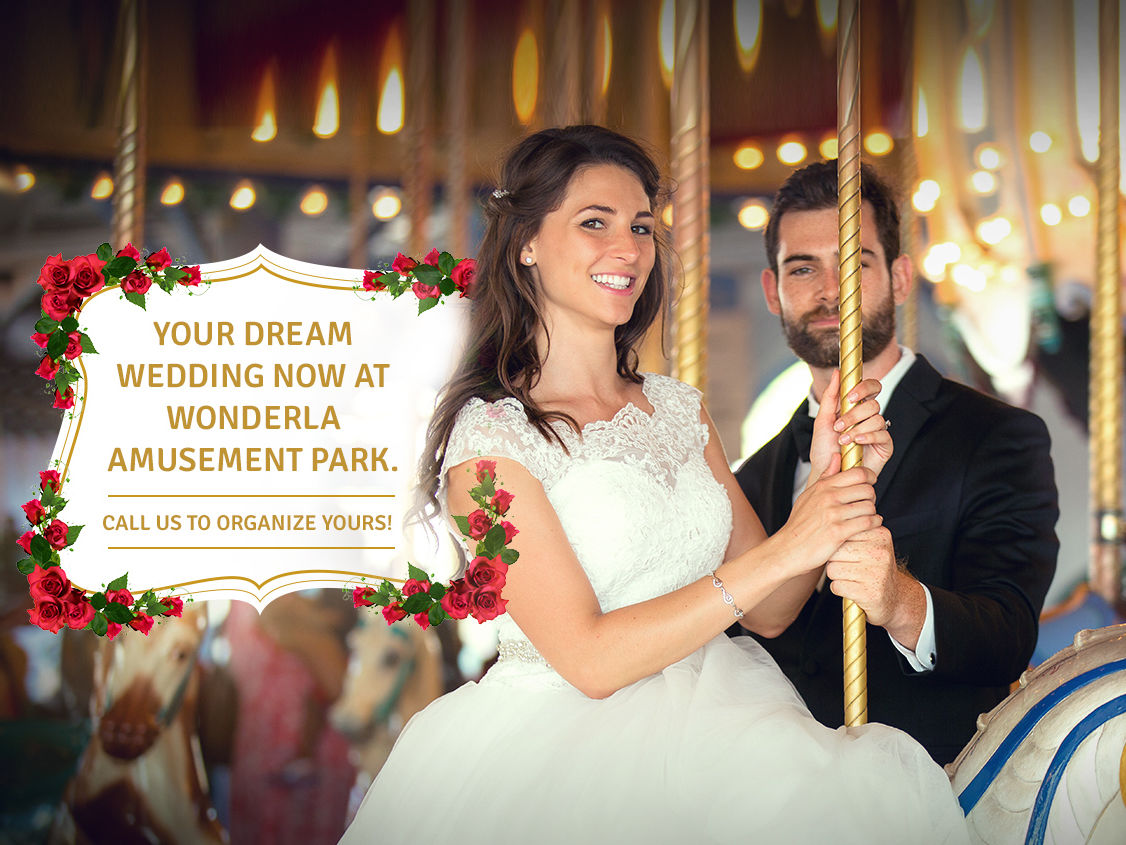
(954, 581)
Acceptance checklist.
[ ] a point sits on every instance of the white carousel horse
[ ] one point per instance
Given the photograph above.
(141, 778)
(1048, 764)
(394, 671)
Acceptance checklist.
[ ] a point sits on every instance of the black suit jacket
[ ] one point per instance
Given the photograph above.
(969, 496)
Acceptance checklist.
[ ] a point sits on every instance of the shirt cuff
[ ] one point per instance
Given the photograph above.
(922, 658)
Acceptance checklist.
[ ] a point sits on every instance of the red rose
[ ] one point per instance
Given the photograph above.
(371, 281)
(78, 610)
(48, 614)
(501, 501)
(55, 275)
(486, 469)
(423, 291)
(487, 604)
(136, 282)
(174, 606)
(130, 251)
(483, 572)
(432, 258)
(360, 596)
(423, 620)
(465, 276)
(49, 478)
(457, 599)
(141, 622)
(403, 264)
(64, 401)
(48, 368)
(24, 542)
(479, 524)
(40, 339)
(34, 511)
(48, 583)
(415, 586)
(86, 276)
(112, 630)
(58, 305)
(510, 531)
(393, 613)
(120, 596)
(73, 346)
(159, 260)
(193, 278)
(56, 534)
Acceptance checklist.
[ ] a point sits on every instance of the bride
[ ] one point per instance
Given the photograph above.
(618, 710)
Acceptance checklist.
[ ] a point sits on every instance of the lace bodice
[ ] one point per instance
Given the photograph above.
(637, 500)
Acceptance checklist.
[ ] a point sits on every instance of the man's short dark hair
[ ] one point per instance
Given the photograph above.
(814, 187)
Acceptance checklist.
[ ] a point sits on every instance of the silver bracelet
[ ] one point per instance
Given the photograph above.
(728, 599)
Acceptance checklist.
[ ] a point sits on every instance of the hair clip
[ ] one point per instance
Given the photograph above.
(500, 193)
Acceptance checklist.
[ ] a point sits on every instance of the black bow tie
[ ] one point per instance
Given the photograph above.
(801, 427)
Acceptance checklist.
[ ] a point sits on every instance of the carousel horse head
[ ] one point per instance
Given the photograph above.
(1048, 764)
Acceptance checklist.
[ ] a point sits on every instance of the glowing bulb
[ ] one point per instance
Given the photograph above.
(1079, 206)
(988, 157)
(667, 34)
(173, 193)
(993, 230)
(607, 53)
(791, 152)
(525, 76)
(327, 121)
(878, 143)
(1051, 214)
(938, 257)
(972, 92)
(922, 119)
(748, 31)
(1040, 142)
(926, 196)
(748, 157)
(827, 15)
(968, 277)
(103, 187)
(25, 179)
(983, 182)
(666, 215)
(391, 111)
(828, 148)
(753, 215)
(314, 202)
(386, 205)
(243, 196)
(266, 127)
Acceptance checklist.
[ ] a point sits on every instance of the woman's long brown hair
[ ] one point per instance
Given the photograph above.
(507, 313)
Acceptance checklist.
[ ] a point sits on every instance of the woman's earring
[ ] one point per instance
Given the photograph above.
(527, 259)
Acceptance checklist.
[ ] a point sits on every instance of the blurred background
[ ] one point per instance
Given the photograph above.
(341, 133)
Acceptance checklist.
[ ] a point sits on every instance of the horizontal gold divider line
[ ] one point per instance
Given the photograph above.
(246, 548)
(250, 495)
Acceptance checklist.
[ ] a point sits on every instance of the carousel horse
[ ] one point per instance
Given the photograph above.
(1048, 764)
(141, 777)
(394, 672)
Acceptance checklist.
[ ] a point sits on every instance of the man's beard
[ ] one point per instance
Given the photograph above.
(822, 348)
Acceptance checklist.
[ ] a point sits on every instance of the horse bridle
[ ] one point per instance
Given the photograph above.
(382, 710)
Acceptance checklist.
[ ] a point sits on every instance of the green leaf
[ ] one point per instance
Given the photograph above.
(119, 613)
(416, 603)
(427, 275)
(137, 299)
(147, 596)
(26, 566)
(447, 287)
(437, 615)
(45, 325)
(389, 279)
(510, 556)
(56, 346)
(105, 252)
(175, 273)
(154, 607)
(41, 549)
(165, 284)
(69, 324)
(121, 266)
(118, 583)
(64, 378)
(488, 488)
(98, 600)
(462, 524)
(494, 541)
(48, 496)
(446, 263)
(99, 625)
(72, 533)
(426, 304)
(416, 573)
(87, 344)
(437, 591)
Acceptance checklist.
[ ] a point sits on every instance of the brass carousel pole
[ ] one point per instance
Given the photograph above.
(848, 200)
(690, 120)
(129, 164)
(1106, 328)
(418, 176)
(457, 113)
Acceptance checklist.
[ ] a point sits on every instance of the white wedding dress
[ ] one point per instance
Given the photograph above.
(718, 747)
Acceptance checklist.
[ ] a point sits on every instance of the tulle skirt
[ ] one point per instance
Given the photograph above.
(717, 748)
